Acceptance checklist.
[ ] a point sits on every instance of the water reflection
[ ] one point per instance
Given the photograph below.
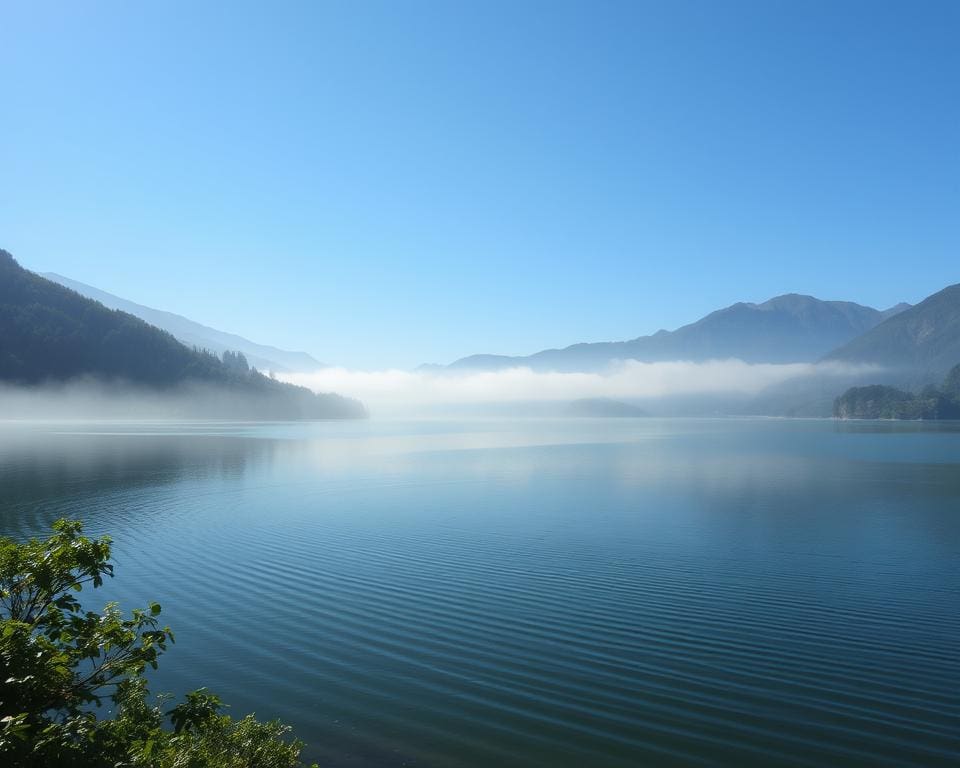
(51, 470)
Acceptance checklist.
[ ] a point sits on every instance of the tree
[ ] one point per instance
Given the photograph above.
(59, 662)
(952, 383)
(236, 362)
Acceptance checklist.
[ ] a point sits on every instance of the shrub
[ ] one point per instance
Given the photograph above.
(59, 662)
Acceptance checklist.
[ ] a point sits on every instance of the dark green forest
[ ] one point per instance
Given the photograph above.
(882, 402)
(51, 334)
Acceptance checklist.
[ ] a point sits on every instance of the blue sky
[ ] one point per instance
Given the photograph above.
(385, 184)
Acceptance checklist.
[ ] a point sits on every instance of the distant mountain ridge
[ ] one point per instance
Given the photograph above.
(792, 328)
(923, 340)
(194, 334)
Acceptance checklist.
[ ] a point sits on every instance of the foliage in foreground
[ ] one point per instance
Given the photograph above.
(58, 663)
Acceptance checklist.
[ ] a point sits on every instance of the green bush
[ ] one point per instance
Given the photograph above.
(58, 663)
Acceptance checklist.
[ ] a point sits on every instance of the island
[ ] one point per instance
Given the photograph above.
(884, 402)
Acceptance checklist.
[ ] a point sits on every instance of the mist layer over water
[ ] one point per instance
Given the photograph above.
(423, 392)
(563, 593)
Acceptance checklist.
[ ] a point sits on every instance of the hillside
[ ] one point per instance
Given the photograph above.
(50, 334)
(883, 402)
(921, 343)
(785, 329)
(194, 334)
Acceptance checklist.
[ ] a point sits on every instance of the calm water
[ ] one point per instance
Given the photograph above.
(544, 593)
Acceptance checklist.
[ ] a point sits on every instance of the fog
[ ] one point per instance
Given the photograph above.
(91, 399)
(666, 388)
(399, 392)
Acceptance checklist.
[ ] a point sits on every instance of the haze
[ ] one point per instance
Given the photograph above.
(397, 392)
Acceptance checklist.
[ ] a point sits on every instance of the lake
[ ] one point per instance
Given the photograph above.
(618, 592)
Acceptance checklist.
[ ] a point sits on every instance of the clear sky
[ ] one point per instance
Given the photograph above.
(385, 184)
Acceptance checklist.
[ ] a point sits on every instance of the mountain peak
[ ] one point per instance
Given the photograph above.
(896, 309)
(924, 339)
(790, 300)
(791, 328)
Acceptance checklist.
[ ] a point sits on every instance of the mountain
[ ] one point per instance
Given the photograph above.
(921, 343)
(785, 329)
(194, 334)
(895, 310)
(50, 334)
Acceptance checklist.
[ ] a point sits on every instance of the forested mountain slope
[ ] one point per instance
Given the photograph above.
(50, 334)
(194, 334)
